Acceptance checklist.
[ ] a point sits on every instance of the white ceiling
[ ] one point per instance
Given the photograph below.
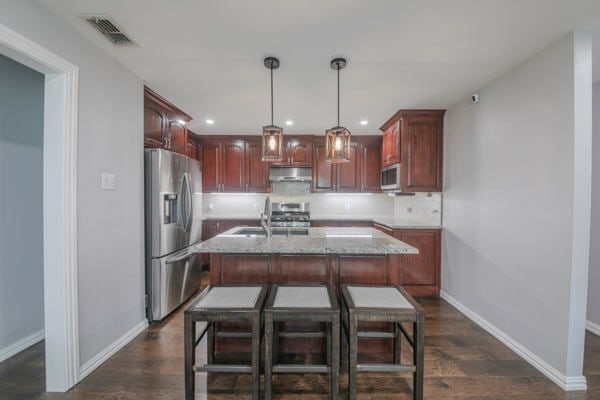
(206, 56)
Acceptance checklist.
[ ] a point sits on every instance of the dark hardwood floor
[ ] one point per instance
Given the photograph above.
(462, 362)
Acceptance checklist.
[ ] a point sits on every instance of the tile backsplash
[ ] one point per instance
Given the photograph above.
(426, 208)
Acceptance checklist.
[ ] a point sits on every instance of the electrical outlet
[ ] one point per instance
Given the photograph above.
(109, 181)
(347, 206)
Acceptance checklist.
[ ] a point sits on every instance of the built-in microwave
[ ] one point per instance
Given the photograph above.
(390, 178)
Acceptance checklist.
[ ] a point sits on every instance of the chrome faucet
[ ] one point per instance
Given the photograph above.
(265, 217)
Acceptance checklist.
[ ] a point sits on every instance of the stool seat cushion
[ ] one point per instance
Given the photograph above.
(302, 296)
(378, 297)
(230, 297)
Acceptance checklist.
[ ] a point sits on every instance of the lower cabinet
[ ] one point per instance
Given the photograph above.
(419, 273)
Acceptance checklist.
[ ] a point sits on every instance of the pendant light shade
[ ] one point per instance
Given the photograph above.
(337, 139)
(272, 136)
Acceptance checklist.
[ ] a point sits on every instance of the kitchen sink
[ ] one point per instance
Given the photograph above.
(256, 231)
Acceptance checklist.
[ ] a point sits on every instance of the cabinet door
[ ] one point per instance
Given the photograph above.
(309, 268)
(348, 174)
(233, 163)
(154, 125)
(369, 270)
(191, 149)
(257, 171)
(323, 171)
(422, 154)
(177, 137)
(420, 273)
(390, 153)
(299, 151)
(211, 155)
(245, 269)
(371, 166)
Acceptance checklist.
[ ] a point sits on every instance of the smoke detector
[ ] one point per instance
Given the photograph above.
(107, 26)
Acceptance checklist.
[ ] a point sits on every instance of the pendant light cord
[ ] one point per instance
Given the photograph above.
(338, 94)
(272, 94)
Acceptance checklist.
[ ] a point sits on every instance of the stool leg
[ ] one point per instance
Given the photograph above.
(275, 346)
(189, 357)
(268, 339)
(418, 355)
(328, 329)
(335, 357)
(397, 344)
(256, 355)
(353, 355)
(210, 343)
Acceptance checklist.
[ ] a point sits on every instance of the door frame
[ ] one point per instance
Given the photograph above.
(61, 318)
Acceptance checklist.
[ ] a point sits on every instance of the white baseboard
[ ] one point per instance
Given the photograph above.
(592, 327)
(111, 350)
(21, 345)
(567, 383)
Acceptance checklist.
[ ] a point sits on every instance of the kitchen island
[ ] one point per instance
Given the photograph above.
(304, 255)
(332, 256)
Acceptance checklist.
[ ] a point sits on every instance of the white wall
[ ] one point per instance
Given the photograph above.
(593, 315)
(509, 207)
(21, 256)
(110, 223)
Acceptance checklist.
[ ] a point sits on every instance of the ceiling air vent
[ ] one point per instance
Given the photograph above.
(110, 29)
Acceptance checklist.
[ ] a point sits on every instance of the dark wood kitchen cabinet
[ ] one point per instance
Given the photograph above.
(297, 152)
(233, 165)
(390, 146)
(414, 138)
(192, 149)
(164, 124)
(361, 174)
(419, 274)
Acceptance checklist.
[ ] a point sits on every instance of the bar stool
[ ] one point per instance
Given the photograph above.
(383, 304)
(315, 303)
(218, 304)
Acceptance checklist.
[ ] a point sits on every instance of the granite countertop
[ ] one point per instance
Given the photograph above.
(317, 241)
(387, 220)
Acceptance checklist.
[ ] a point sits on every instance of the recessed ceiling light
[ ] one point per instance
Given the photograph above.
(364, 122)
(210, 121)
(289, 122)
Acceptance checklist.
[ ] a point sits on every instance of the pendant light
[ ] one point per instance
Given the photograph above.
(272, 135)
(337, 139)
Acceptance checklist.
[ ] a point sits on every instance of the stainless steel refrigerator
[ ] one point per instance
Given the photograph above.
(173, 205)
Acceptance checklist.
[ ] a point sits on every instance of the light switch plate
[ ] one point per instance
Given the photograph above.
(109, 181)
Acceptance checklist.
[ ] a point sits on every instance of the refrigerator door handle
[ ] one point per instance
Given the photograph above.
(187, 188)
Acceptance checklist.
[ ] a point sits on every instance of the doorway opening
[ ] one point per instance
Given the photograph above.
(61, 80)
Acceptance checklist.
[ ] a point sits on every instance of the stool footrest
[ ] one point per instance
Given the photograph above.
(374, 334)
(243, 369)
(293, 368)
(385, 367)
(234, 334)
(287, 334)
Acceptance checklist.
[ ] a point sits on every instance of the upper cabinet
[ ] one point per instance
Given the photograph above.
(414, 138)
(390, 146)
(233, 165)
(164, 124)
(361, 174)
(297, 152)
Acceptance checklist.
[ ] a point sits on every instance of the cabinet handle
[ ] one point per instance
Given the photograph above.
(166, 142)
(246, 187)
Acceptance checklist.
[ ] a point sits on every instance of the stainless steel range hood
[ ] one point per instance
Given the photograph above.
(279, 174)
